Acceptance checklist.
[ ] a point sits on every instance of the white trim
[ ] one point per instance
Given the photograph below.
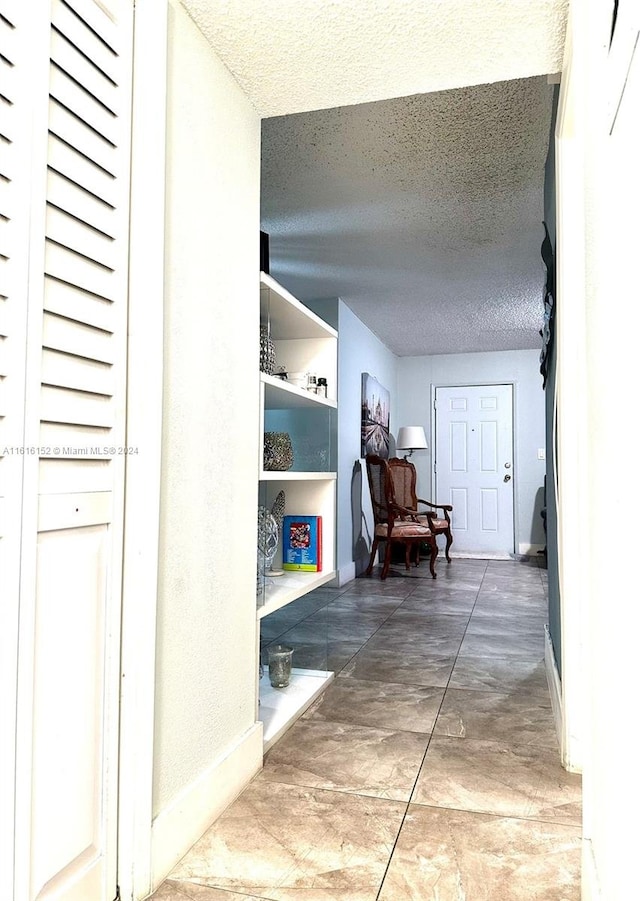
(198, 805)
(530, 550)
(572, 478)
(144, 428)
(555, 686)
(570, 752)
(470, 555)
(34, 35)
(590, 883)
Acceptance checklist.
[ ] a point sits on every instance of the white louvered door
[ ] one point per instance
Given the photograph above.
(14, 257)
(74, 447)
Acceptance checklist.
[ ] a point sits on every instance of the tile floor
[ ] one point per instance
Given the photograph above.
(429, 768)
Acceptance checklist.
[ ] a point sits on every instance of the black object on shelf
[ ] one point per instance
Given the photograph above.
(264, 252)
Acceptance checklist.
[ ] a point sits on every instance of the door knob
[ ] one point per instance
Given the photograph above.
(507, 478)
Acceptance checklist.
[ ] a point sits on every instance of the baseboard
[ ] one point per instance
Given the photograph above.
(187, 817)
(530, 550)
(590, 884)
(555, 688)
(473, 555)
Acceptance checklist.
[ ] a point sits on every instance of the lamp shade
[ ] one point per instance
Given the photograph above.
(411, 437)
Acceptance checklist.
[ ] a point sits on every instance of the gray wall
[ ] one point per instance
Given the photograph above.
(359, 350)
(552, 513)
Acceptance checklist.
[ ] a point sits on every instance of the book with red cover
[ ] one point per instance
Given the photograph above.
(302, 543)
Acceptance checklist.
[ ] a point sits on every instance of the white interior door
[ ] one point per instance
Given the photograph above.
(474, 465)
(76, 57)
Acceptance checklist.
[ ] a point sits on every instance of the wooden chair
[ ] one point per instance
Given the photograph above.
(403, 475)
(393, 522)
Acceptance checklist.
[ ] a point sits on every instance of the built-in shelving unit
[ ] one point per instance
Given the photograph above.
(303, 343)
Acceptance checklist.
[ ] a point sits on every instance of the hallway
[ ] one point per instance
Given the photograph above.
(429, 769)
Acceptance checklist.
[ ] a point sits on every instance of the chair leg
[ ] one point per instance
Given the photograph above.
(434, 554)
(374, 550)
(407, 554)
(387, 561)
(449, 543)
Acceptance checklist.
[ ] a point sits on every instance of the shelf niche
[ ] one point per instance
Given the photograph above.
(303, 343)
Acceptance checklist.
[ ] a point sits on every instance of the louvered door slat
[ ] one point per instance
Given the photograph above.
(5, 236)
(72, 302)
(81, 104)
(75, 166)
(69, 230)
(77, 372)
(65, 55)
(5, 113)
(93, 34)
(54, 436)
(62, 263)
(67, 195)
(7, 85)
(7, 61)
(76, 407)
(10, 196)
(76, 133)
(77, 339)
(6, 159)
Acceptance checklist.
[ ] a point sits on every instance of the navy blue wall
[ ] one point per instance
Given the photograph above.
(552, 518)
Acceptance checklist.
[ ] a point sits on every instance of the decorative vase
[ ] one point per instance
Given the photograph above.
(280, 658)
(278, 508)
(267, 351)
(278, 451)
(268, 535)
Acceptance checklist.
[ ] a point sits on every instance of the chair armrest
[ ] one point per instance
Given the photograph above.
(403, 512)
(445, 507)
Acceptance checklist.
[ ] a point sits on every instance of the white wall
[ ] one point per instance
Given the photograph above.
(206, 678)
(416, 376)
(601, 95)
(359, 350)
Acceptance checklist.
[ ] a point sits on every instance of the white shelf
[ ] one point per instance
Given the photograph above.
(290, 475)
(281, 707)
(289, 318)
(280, 394)
(282, 590)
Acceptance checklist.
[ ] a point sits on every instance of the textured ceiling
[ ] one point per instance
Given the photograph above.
(403, 157)
(296, 55)
(424, 214)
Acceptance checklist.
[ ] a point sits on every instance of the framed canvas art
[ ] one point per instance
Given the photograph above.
(375, 418)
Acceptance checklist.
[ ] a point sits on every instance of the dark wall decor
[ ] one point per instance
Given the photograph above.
(546, 332)
(375, 418)
(264, 253)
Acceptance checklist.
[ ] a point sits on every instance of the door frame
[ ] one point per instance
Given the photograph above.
(514, 435)
(144, 431)
(571, 408)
